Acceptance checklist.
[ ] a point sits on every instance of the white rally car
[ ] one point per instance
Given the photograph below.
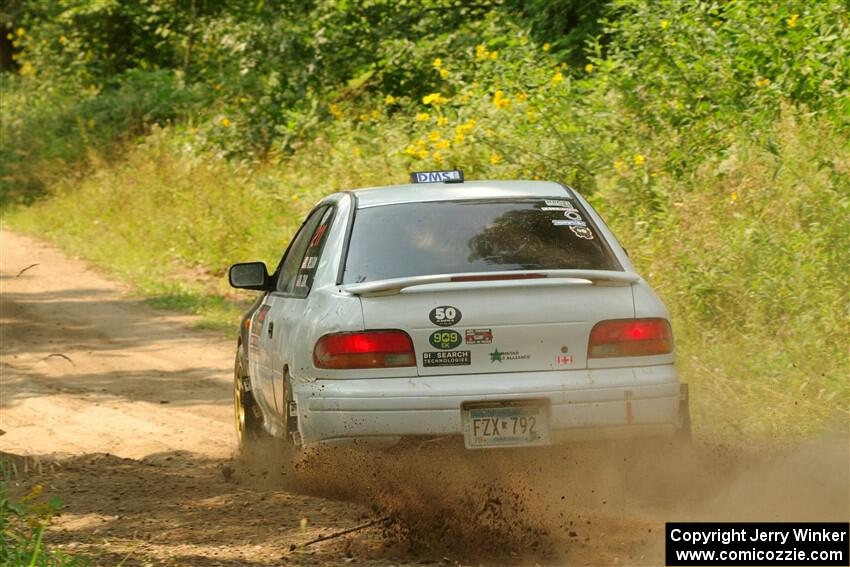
(504, 313)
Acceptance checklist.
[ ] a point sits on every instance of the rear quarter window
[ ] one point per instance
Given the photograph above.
(445, 237)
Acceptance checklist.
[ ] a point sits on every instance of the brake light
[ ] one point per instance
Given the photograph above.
(495, 277)
(367, 349)
(630, 337)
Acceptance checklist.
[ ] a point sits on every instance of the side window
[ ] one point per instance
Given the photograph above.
(299, 266)
(292, 261)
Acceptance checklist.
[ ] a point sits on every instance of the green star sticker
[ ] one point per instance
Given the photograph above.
(496, 356)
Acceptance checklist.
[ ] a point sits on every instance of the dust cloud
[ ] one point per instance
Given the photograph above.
(596, 504)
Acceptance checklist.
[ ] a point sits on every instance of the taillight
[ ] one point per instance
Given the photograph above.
(495, 277)
(367, 349)
(630, 337)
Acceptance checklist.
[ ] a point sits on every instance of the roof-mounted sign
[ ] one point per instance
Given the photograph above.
(450, 176)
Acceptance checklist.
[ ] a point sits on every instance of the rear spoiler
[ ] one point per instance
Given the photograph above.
(473, 280)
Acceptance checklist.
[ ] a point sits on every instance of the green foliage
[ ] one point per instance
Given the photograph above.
(81, 125)
(566, 25)
(22, 525)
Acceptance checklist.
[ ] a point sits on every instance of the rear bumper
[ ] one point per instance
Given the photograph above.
(584, 404)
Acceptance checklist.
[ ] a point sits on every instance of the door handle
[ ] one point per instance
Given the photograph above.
(271, 328)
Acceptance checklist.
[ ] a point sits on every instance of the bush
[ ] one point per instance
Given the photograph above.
(22, 525)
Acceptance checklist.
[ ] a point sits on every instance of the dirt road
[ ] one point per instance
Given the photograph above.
(127, 412)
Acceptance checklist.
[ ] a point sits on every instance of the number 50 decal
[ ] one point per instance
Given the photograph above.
(445, 315)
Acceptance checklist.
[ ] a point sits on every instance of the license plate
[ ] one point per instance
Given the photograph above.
(518, 423)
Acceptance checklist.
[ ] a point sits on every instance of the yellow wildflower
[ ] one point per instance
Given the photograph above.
(225, 122)
(481, 51)
(34, 493)
(435, 99)
(792, 21)
(589, 67)
(500, 100)
(458, 137)
(495, 159)
(466, 127)
(664, 24)
(21, 32)
(494, 55)
(521, 97)
(435, 135)
(619, 166)
(9, 36)
(557, 77)
(422, 153)
(733, 197)
(442, 121)
(639, 159)
(364, 118)
(438, 157)
(410, 150)
(390, 99)
(762, 82)
(356, 151)
(335, 110)
(441, 144)
(546, 47)
(423, 117)
(375, 114)
(564, 66)
(438, 63)
(444, 73)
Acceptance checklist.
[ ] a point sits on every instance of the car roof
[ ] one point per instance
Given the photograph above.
(426, 192)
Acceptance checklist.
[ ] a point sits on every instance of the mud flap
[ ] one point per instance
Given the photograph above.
(684, 430)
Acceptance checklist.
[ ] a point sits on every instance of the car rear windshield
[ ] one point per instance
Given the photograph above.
(449, 237)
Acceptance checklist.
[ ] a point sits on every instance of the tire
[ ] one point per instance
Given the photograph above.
(249, 421)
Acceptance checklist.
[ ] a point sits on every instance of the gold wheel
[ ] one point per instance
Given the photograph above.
(238, 403)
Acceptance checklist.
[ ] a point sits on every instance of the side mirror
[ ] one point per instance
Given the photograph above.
(249, 275)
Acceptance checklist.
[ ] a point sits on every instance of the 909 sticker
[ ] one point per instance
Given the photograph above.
(445, 339)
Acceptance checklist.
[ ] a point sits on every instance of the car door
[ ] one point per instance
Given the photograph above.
(287, 302)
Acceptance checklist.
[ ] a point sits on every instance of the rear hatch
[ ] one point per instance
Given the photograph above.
(487, 285)
(527, 326)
